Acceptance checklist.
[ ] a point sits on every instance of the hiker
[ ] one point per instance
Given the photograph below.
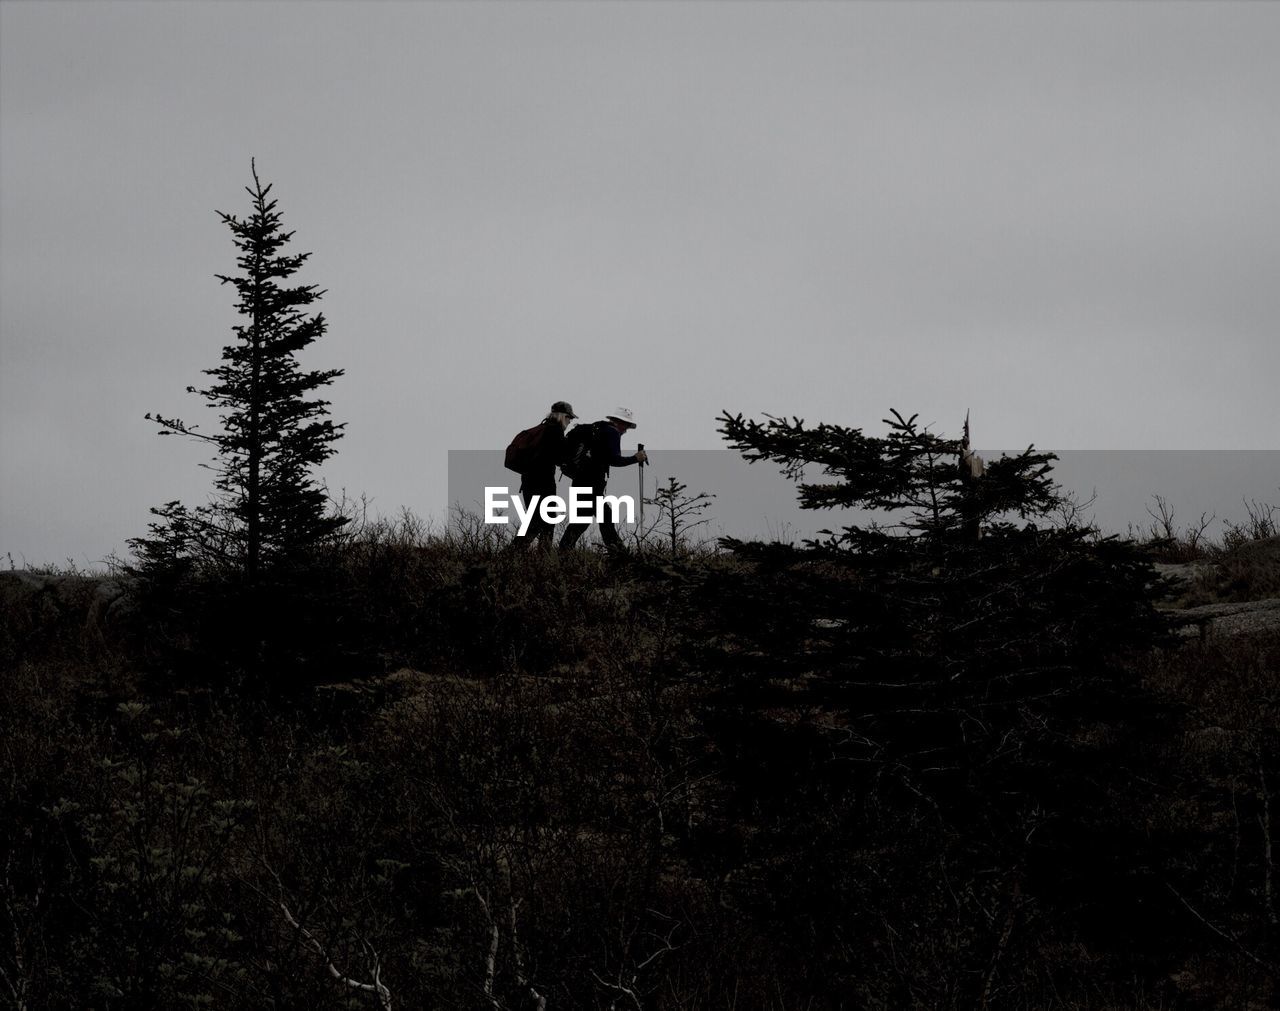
(538, 475)
(602, 443)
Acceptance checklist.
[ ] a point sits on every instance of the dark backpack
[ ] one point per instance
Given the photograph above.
(579, 451)
(523, 449)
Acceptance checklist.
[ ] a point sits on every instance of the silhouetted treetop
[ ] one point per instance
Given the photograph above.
(274, 433)
(910, 472)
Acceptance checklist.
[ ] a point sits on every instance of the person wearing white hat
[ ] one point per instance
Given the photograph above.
(605, 452)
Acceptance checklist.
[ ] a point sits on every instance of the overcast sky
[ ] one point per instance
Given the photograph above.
(1064, 217)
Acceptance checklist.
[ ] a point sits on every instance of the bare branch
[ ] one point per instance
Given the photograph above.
(1223, 934)
(376, 987)
(1264, 820)
(621, 989)
(521, 980)
(491, 959)
(18, 986)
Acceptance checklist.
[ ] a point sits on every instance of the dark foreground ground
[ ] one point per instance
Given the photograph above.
(458, 779)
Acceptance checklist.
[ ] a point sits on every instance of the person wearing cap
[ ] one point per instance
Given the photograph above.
(607, 452)
(539, 478)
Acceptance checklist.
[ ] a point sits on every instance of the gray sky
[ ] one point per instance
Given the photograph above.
(1064, 217)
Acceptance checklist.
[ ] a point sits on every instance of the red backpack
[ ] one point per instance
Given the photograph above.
(523, 448)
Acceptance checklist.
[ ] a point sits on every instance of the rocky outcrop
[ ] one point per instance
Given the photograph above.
(1246, 618)
(1184, 574)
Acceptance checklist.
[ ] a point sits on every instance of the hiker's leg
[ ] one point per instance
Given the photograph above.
(539, 530)
(572, 532)
(521, 541)
(608, 531)
(545, 536)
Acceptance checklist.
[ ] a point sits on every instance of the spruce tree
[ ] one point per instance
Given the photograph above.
(959, 571)
(678, 511)
(268, 504)
(935, 688)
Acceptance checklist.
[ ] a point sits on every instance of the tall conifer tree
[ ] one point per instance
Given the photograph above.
(268, 503)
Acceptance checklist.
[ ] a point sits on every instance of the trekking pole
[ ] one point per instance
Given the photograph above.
(640, 532)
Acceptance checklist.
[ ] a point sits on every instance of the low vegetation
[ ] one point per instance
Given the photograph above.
(414, 769)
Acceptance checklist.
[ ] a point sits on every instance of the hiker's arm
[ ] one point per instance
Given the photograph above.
(614, 446)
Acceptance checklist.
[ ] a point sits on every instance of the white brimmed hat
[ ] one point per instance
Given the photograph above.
(624, 415)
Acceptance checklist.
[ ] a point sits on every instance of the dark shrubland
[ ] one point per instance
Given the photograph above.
(901, 767)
